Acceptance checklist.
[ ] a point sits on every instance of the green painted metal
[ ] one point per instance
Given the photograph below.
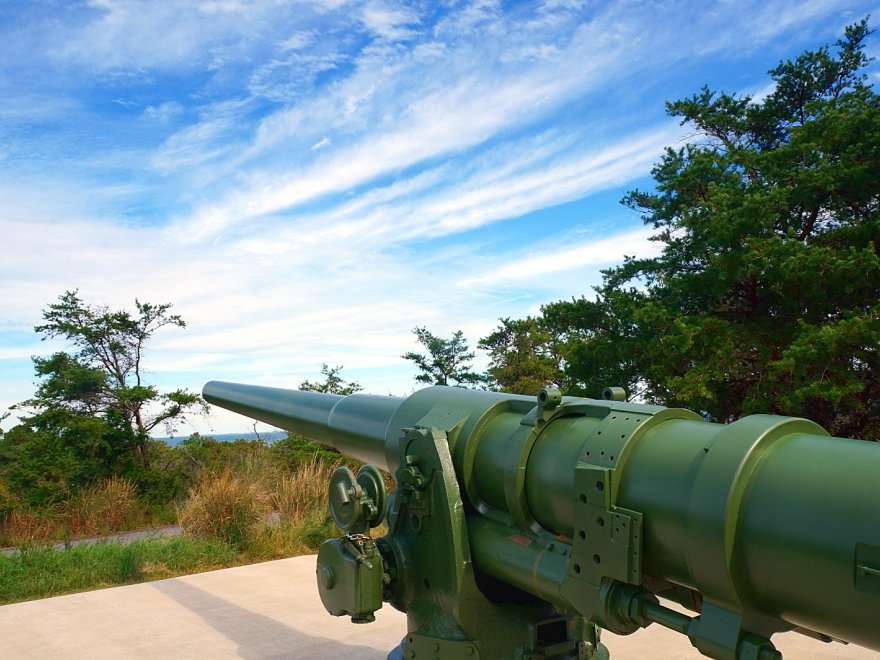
(518, 527)
(350, 577)
(357, 503)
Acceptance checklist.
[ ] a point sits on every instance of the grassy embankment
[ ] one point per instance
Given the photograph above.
(252, 510)
(43, 572)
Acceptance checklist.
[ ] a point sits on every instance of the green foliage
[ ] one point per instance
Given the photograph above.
(448, 361)
(104, 374)
(200, 454)
(91, 415)
(8, 500)
(765, 295)
(167, 478)
(525, 355)
(333, 383)
(41, 572)
(294, 450)
(317, 527)
(602, 345)
(766, 292)
(56, 451)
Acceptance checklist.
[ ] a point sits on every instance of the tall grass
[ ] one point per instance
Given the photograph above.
(28, 528)
(263, 511)
(300, 498)
(299, 493)
(107, 506)
(225, 506)
(101, 508)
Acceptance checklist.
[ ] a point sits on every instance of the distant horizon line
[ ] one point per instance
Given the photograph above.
(223, 437)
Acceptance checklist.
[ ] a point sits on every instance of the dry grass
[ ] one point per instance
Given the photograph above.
(300, 500)
(237, 506)
(225, 506)
(28, 528)
(297, 495)
(258, 467)
(101, 508)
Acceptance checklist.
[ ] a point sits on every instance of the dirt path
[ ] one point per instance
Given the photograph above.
(124, 537)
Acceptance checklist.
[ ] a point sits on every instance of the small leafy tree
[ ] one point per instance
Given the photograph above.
(525, 355)
(448, 361)
(333, 383)
(295, 450)
(95, 398)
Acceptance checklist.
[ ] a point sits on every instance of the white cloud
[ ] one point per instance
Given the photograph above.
(208, 140)
(322, 143)
(298, 40)
(436, 102)
(129, 34)
(308, 181)
(443, 120)
(554, 260)
(389, 21)
(164, 111)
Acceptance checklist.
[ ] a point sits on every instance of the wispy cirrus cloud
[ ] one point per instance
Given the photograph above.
(107, 35)
(438, 102)
(307, 181)
(585, 253)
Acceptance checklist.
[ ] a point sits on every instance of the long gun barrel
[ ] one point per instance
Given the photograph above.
(517, 526)
(354, 425)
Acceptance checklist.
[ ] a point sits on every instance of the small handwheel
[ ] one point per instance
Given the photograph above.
(344, 497)
(370, 479)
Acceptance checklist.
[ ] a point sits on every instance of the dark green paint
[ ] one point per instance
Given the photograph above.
(518, 526)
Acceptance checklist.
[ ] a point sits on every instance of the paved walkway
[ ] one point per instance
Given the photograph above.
(261, 612)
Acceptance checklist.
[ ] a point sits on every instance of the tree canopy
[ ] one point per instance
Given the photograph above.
(92, 413)
(525, 355)
(764, 297)
(448, 361)
(333, 382)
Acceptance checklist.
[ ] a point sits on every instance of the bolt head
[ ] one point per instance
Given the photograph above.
(327, 577)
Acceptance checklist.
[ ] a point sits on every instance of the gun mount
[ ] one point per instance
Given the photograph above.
(517, 528)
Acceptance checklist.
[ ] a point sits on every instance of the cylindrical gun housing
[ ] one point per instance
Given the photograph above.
(768, 516)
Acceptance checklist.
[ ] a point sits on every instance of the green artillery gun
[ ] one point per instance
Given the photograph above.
(517, 528)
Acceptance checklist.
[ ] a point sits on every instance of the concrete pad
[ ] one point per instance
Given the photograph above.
(269, 610)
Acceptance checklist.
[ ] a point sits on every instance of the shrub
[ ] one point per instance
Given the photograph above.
(225, 506)
(302, 491)
(101, 508)
(293, 450)
(8, 501)
(26, 527)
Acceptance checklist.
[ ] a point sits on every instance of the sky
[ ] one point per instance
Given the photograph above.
(306, 182)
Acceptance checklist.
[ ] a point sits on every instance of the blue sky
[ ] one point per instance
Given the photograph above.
(308, 181)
